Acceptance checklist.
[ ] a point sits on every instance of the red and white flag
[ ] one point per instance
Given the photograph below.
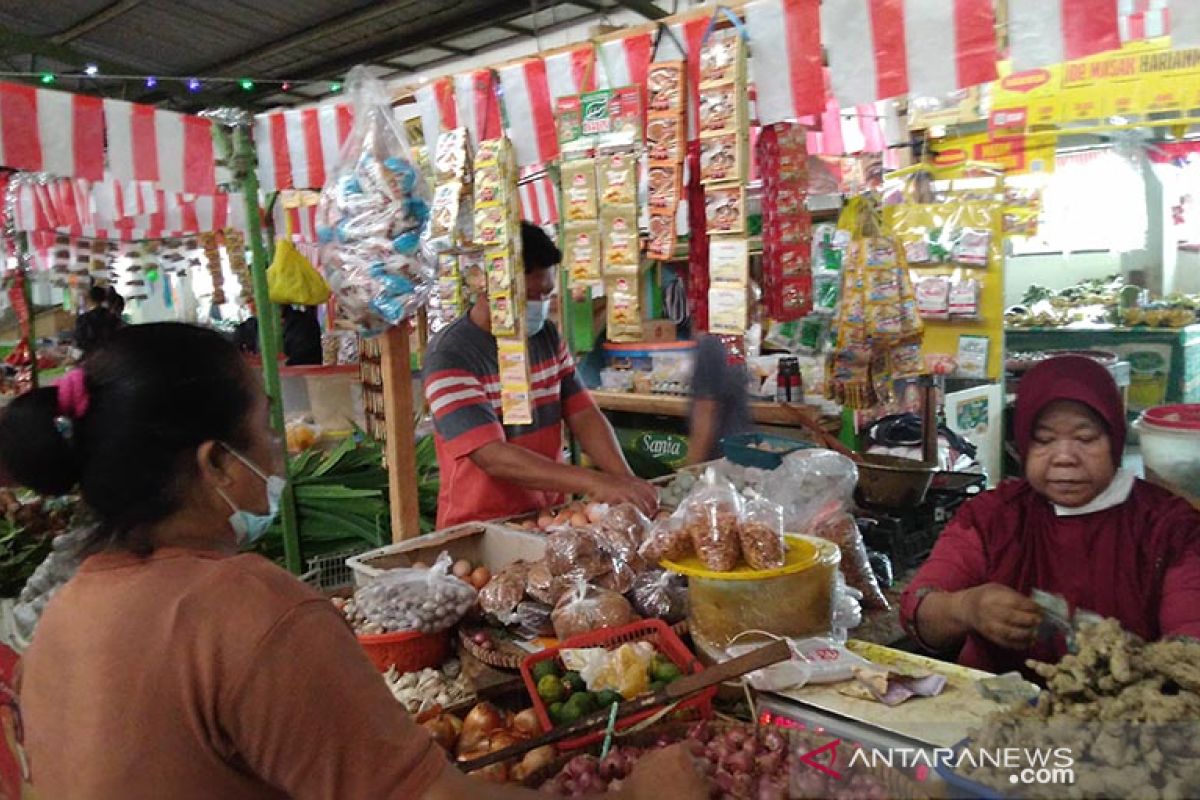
(927, 48)
(439, 113)
(1184, 23)
(299, 147)
(625, 61)
(530, 111)
(55, 132)
(1042, 32)
(787, 55)
(571, 72)
(148, 144)
(1143, 19)
(539, 200)
(478, 104)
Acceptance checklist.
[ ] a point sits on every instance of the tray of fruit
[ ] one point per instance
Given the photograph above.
(620, 664)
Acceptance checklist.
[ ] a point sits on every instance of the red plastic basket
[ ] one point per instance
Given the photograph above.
(655, 631)
(407, 651)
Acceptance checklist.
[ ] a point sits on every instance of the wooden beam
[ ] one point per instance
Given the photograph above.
(644, 7)
(93, 21)
(400, 450)
(15, 42)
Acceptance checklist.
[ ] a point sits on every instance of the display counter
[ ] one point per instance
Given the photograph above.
(670, 405)
(1164, 362)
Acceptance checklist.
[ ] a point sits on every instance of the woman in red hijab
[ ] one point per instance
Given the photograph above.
(1077, 526)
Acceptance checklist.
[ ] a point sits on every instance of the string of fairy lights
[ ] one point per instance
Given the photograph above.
(195, 84)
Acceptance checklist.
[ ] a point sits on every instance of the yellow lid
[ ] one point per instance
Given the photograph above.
(801, 553)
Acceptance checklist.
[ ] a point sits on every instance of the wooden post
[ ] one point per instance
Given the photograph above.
(399, 427)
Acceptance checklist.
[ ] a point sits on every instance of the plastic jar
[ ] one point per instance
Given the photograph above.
(1170, 439)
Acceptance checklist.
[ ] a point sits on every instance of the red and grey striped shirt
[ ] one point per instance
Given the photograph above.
(462, 389)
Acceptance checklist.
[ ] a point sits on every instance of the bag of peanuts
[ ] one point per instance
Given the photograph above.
(711, 515)
(761, 533)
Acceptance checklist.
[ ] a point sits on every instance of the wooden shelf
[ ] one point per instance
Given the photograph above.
(671, 405)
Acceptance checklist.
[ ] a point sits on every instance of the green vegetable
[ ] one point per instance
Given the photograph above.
(584, 701)
(573, 682)
(543, 668)
(665, 672)
(550, 688)
(606, 698)
(556, 712)
(569, 713)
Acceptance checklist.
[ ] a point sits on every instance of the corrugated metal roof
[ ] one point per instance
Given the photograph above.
(298, 40)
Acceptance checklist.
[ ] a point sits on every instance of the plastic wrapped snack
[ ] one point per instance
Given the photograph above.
(811, 485)
(543, 585)
(620, 533)
(504, 591)
(585, 608)
(425, 600)
(841, 530)
(372, 216)
(576, 553)
(533, 618)
(619, 579)
(659, 594)
(761, 533)
(710, 516)
(668, 539)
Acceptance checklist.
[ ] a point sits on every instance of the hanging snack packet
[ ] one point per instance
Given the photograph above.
(711, 513)
(964, 299)
(664, 86)
(582, 251)
(842, 531)
(579, 190)
(761, 533)
(618, 179)
(933, 297)
(972, 246)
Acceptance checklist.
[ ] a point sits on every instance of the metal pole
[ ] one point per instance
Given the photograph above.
(269, 333)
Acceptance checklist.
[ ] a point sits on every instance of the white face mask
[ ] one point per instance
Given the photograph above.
(249, 526)
(536, 314)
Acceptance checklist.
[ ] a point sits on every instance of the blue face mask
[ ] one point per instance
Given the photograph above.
(248, 526)
(536, 314)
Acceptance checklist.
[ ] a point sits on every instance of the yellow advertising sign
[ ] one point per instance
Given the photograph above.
(1016, 155)
(1141, 78)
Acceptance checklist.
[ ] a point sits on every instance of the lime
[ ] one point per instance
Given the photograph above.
(582, 702)
(666, 672)
(606, 698)
(543, 668)
(570, 712)
(550, 689)
(573, 682)
(555, 711)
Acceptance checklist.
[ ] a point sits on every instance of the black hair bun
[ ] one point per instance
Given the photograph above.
(32, 449)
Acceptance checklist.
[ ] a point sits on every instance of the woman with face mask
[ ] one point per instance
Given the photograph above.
(1078, 526)
(171, 665)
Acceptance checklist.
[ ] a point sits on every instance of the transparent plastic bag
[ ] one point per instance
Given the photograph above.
(543, 585)
(373, 212)
(659, 594)
(811, 485)
(504, 591)
(621, 531)
(710, 515)
(425, 600)
(668, 540)
(533, 618)
(575, 553)
(584, 608)
(842, 531)
(761, 533)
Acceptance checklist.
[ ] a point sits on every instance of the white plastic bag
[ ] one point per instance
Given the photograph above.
(372, 214)
(811, 485)
(425, 600)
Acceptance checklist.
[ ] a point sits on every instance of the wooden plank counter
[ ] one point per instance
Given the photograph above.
(670, 405)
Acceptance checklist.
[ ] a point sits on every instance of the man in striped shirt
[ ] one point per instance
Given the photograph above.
(490, 470)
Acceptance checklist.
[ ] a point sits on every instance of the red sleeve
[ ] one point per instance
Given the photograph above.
(1179, 609)
(957, 562)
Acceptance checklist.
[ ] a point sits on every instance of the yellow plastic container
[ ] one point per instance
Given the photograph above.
(795, 600)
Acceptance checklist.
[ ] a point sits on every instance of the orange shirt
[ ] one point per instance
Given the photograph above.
(193, 674)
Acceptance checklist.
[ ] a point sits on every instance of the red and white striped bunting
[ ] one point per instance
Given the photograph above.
(1143, 19)
(571, 71)
(478, 104)
(530, 111)
(55, 132)
(625, 61)
(149, 144)
(539, 200)
(298, 148)
(301, 220)
(1042, 32)
(787, 56)
(438, 111)
(927, 48)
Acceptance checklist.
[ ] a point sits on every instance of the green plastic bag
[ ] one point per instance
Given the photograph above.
(292, 280)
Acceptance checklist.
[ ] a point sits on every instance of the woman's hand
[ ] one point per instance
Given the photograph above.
(1001, 615)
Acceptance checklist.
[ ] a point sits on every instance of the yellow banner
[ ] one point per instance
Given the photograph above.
(1016, 155)
(1140, 78)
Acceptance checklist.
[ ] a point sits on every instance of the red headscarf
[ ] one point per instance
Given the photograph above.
(1077, 378)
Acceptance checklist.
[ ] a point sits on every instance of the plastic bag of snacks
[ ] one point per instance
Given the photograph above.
(710, 516)
(504, 591)
(668, 539)
(585, 608)
(425, 600)
(811, 485)
(842, 531)
(543, 585)
(761, 533)
(659, 594)
(621, 531)
(372, 216)
(576, 553)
